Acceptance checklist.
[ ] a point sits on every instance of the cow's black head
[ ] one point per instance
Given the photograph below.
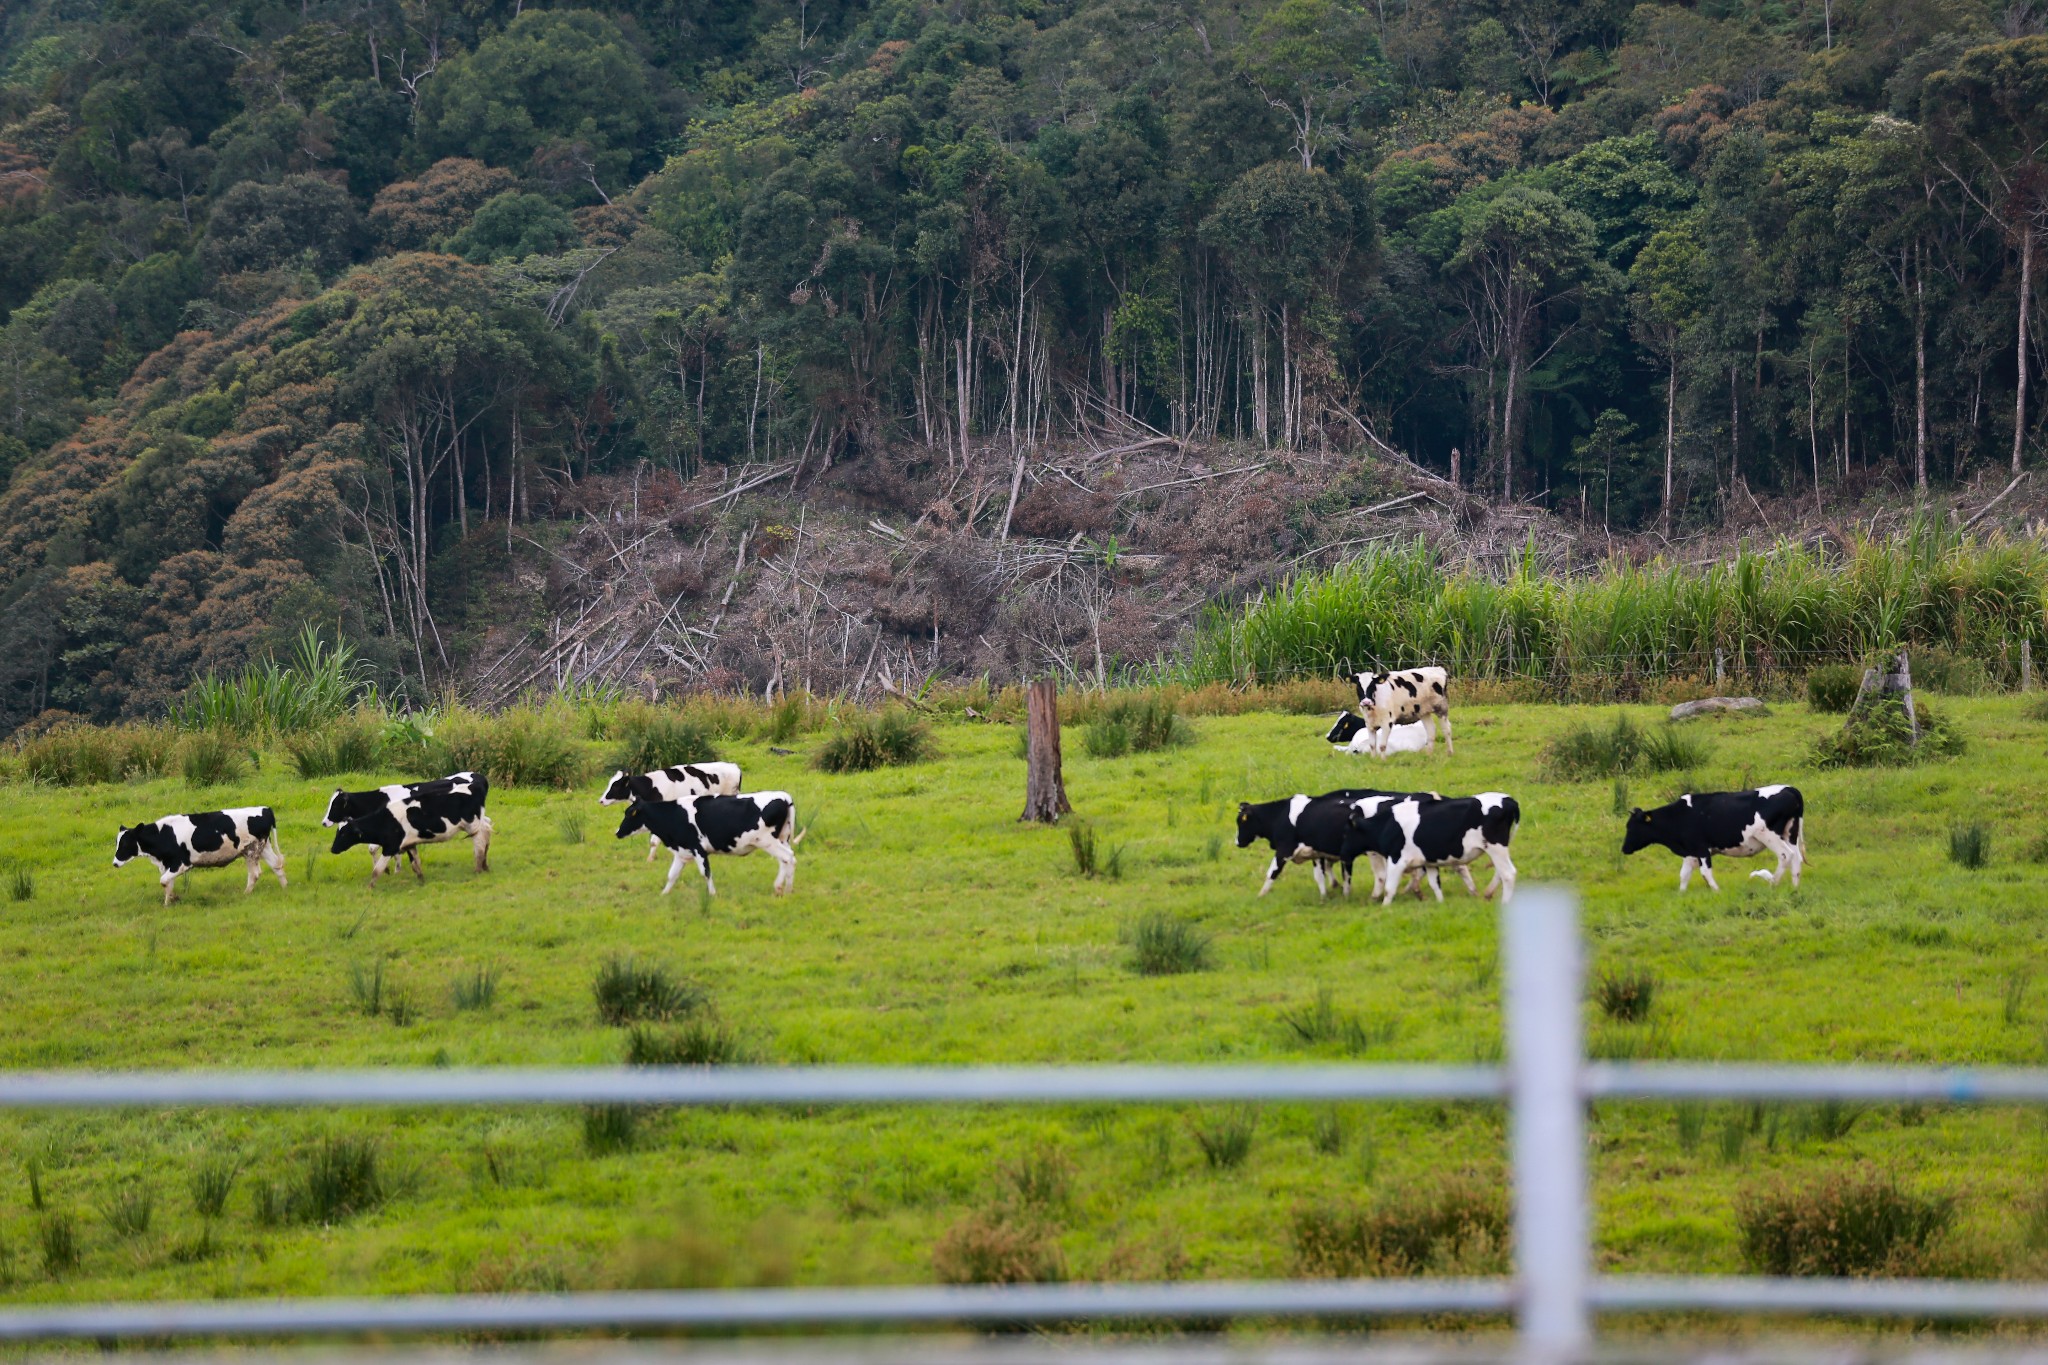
(635, 821)
(347, 835)
(333, 816)
(1246, 834)
(128, 845)
(616, 790)
(1641, 832)
(1346, 727)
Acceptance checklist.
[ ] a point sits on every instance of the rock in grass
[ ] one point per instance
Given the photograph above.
(1686, 710)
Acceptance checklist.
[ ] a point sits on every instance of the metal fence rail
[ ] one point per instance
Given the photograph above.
(1552, 1294)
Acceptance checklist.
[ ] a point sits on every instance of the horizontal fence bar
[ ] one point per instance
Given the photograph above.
(1948, 1085)
(741, 1308)
(1868, 1298)
(746, 1085)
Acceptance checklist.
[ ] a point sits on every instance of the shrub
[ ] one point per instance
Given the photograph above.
(995, 1247)
(1226, 1137)
(701, 1042)
(1876, 735)
(1106, 739)
(1953, 675)
(1626, 993)
(893, 738)
(628, 991)
(1166, 945)
(1587, 750)
(1091, 858)
(609, 1128)
(351, 744)
(129, 1210)
(650, 737)
(212, 1183)
(520, 747)
(21, 881)
(1969, 843)
(1323, 1022)
(337, 1180)
(1843, 1224)
(77, 755)
(60, 1244)
(476, 988)
(212, 758)
(1833, 687)
(1674, 749)
(1458, 1226)
(1140, 723)
(1040, 1178)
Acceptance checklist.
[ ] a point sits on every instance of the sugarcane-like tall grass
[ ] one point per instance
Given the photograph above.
(1778, 610)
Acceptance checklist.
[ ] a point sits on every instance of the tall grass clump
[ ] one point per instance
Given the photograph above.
(212, 1183)
(316, 685)
(78, 755)
(59, 1237)
(1166, 945)
(700, 1042)
(998, 1246)
(21, 881)
(1092, 856)
(1588, 750)
(629, 991)
(1225, 1136)
(863, 743)
(212, 758)
(1969, 844)
(129, 1210)
(353, 743)
(522, 746)
(1833, 687)
(1785, 608)
(1324, 1023)
(1458, 1226)
(338, 1179)
(1139, 723)
(1843, 1224)
(609, 1128)
(475, 988)
(646, 737)
(1626, 994)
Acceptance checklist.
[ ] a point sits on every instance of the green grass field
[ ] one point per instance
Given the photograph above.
(929, 926)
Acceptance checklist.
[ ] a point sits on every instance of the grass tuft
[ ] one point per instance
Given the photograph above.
(1040, 1178)
(59, 1238)
(1091, 857)
(891, 739)
(998, 1246)
(212, 1183)
(1166, 945)
(351, 744)
(1323, 1023)
(1589, 750)
(1843, 1224)
(1456, 1227)
(628, 991)
(700, 1042)
(1142, 723)
(1833, 687)
(476, 988)
(1328, 1133)
(650, 737)
(569, 827)
(338, 1179)
(1225, 1136)
(1691, 1122)
(212, 758)
(610, 1128)
(21, 881)
(128, 1210)
(1969, 844)
(1626, 994)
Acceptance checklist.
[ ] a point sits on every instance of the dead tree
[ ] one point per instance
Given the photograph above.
(1045, 792)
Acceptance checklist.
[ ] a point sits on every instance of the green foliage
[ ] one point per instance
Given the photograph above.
(1587, 751)
(519, 747)
(128, 1210)
(1225, 1136)
(21, 880)
(649, 737)
(1323, 1023)
(1092, 858)
(212, 1183)
(209, 758)
(1144, 722)
(1163, 944)
(1626, 994)
(319, 684)
(628, 991)
(699, 1042)
(512, 227)
(1877, 735)
(80, 755)
(59, 1238)
(1458, 1226)
(354, 743)
(1848, 1223)
(475, 988)
(610, 1128)
(1833, 687)
(1969, 844)
(338, 1178)
(865, 742)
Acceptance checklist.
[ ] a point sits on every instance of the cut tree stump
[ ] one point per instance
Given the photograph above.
(1898, 682)
(1045, 792)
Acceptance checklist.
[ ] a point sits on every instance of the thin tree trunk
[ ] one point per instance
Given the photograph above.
(1919, 372)
(2019, 414)
(1812, 430)
(1045, 793)
(1507, 421)
(1670, 432)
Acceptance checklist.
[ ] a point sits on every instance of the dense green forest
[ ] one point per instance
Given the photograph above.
(308, 303)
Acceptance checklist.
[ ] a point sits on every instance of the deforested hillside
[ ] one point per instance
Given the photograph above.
(986, 336)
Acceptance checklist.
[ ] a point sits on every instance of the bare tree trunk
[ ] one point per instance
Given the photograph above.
(1507, 421)
(1919, 372)
(1812, 431)
(1045, 793)
(2019, 417)
(1670, 432)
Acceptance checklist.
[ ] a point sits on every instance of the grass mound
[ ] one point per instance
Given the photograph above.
(701, 1042)
(1876, 735)
(1861, 1223)
(998, 1246)
(1587, 751)
(893, 738)
(1460, 1226)
(1626, 994)
(1166, 945)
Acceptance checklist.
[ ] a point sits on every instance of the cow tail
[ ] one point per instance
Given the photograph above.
(788, 824)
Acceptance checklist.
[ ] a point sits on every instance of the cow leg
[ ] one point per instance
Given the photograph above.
(378, 862)
(1396, 871)
(412, 858)
(1273, 873)
(1786, 855)
(704, 866)
(1471, 887)
(1348, 863)
(1504, 873)
(1445, 721)
(273, 858)
(249, 859)
(1435, 884)
(785, 866)
(1378, 864)
(653, 843)
(1430, 731)
(1316, 869)
(1685, 867)
(1797, 835)
(480, 843)
(675, 870)
(170, 882)
(1707, 871)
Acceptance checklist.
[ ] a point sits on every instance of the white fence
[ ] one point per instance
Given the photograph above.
(1553, 1294)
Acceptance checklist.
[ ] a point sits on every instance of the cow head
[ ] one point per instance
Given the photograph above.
(635, 821)
(1641, 832)
(616, 790)
(1345, 729)
(1246, 834)
(333, 816)
(347, 835)
(127, 845)
(1371, 688)
(1363, 811)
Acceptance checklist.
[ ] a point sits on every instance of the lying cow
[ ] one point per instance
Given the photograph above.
(1411, 696)
(1351, 736)
(1423, 833)
(698, 826)
(672, 784)
(1307, 829)
(344, 806)
(430, 814)
(214, 838)
(1736, 824)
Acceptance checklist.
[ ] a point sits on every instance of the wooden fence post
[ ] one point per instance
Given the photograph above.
(1045, 793)
(2026, 665)
(1720, 670)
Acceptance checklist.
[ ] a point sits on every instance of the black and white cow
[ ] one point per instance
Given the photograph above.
(672, 784)
(344, 806)
(1422, 833)
(431, 814)
(1307, 829)
(698, 826)
(1350, 735)
(1411, 696)
(1737, 824)
(214, 838)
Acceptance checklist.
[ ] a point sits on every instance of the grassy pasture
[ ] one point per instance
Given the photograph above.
(928, 926)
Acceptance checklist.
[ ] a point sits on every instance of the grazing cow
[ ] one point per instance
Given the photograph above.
(343, 806)
(672, 784)
(1351, 736)
(698, 826)
(1306, 829)
(1738, 824)
(1423, 833)
(214, 838)
(1408, 697)
(432, 813)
